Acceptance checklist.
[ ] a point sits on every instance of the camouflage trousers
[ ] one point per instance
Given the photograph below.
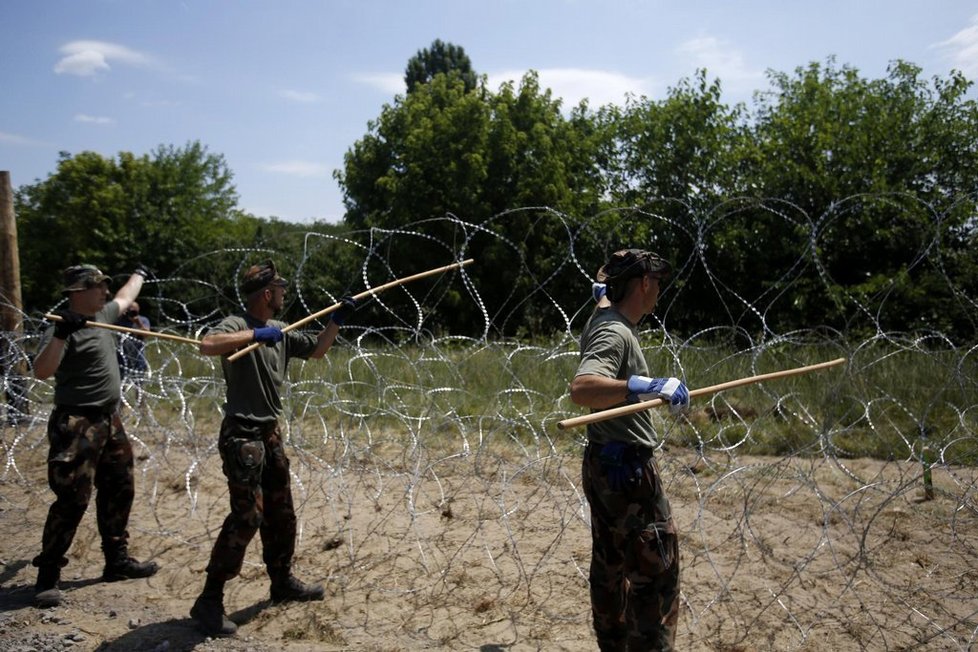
(634, 574)
(259, 484)
(88, 447)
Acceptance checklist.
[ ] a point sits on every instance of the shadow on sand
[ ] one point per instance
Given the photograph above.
(174, 635)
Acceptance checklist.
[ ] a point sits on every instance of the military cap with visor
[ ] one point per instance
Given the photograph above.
(626, 264)
(258, 277)
(82, 277)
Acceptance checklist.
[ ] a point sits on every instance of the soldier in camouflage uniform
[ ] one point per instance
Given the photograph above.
(634, 574)
(250, 444)
(88, 444)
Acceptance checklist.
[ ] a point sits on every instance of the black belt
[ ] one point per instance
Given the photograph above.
(632, 451)
(252, 427)
(90, 412)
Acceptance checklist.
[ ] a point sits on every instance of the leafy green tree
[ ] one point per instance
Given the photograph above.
(667, 165)
(440, 58)
(541, 178)
(424, 156)
(685, 147)
(901, 152)
(158, 209)
(441, 151)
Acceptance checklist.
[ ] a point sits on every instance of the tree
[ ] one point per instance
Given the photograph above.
(424, 156)
(440, 58)
(901, 153)
(684, 147)
(667, 164)
(477, 155)
(156, 209)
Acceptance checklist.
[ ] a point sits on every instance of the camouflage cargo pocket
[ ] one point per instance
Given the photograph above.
(659, 549)
(243, 459)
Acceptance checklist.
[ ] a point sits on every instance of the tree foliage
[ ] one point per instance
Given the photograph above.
(879, 167)
(174, 202)
(441, 58)
(834, 183)
(443, 150)
(828, 190)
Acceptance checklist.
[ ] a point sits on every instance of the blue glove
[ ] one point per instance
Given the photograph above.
(598, 290)
(341, 314)
(643, 388)
(268, 334)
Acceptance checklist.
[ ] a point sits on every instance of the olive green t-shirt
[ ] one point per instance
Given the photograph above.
(254, 382)
(610, 348)
(88, 374)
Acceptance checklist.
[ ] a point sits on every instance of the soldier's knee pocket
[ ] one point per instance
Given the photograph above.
(660, 551)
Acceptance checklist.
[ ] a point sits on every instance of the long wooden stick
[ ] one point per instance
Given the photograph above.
(363, 295)
(604, 415)
(132, 331)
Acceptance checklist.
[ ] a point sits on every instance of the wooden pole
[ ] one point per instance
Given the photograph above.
(11, 304)
(363, 295)
(604, 415)
(133, 331)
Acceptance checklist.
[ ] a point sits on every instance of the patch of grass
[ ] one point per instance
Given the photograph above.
(887, 401)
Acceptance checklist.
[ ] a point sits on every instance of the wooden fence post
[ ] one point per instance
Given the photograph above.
(11, 307)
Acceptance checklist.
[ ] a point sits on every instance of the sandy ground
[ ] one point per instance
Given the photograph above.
(488, 548)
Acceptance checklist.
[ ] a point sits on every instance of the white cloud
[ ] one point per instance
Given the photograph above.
(962, 49)
(571, 84)
(600, 87)
(300, 96)
(302, 169)
(389, 83)
(721, 61)
(93, 119)
(88, 58)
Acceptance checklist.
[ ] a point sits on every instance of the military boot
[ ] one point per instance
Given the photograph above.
(208, 611)
(120, 566)
(287, 588)
(46, 592)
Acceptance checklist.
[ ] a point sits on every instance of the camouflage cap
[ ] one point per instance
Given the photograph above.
(627, 264)
(82, 277)
(257, 277)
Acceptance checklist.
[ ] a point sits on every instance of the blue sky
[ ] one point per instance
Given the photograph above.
(283, 88)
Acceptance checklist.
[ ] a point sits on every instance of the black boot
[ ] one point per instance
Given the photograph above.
(208, 610)
(120, 566)
(287, 588)
(46, 592)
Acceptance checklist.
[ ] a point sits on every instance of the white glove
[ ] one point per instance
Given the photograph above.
(643, 388)
(598, 290)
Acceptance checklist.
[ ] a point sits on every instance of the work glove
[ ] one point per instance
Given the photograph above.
(341, 314)
(70, 322)
(598, 290)
(143, 271)
(268, 334)
(643, 388)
